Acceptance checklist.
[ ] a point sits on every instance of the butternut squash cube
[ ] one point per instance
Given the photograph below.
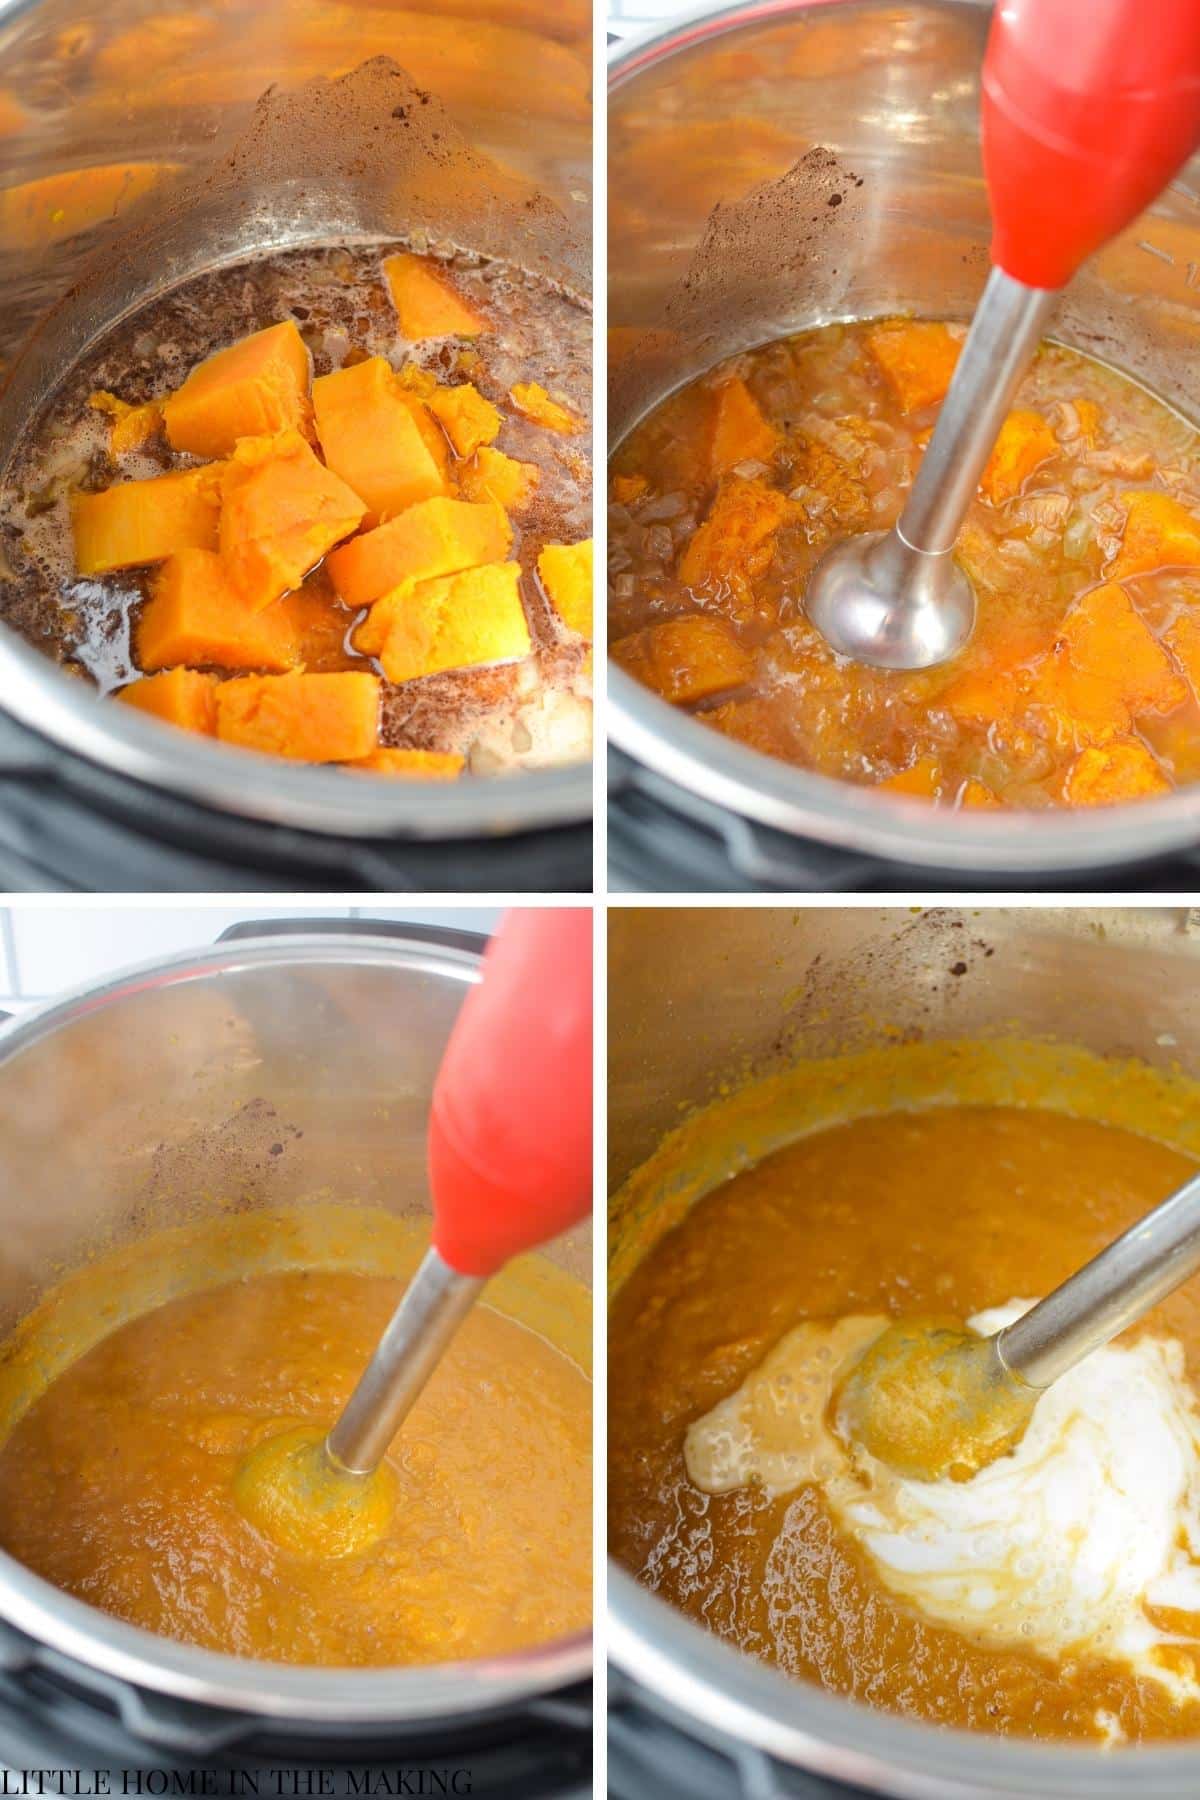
(1106, 668)
(132, 426)
(371, 436)
(182, 697)
(685, 660)
(437, 537)
(531, 398)
(281, 511)
(426, 302)
(411, 765)
(309, 718)
(735, 544)
(1159, 534)
(921, 780)
(255, 388)
(626, 489)
(740, 433)
(1106, 775)
(491, 475)
(467, 418)
(976, 796)
(196, 615)
(566, 572)
(916, 358)
(140, 522)
(456, 622)
(1025, 441)
(1183, 640)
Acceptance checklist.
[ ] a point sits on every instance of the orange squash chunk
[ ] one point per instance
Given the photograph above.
(1159, 534)
(736, 542)
(309, 718)
(977, 796)
(256, 388)
(491, 475)
(750, 722)
(1105, 775)
(426, 303)
(132, 426)
(466, 417)
(181, 697)
(685, 660)
(456, 622)
(437, 537)
(371, 436)
(917, 360)
(1106, 668)
(739, 431)
(922, 780)
(281, 511)
(1183, 639)
(411, 765)
(195, 615)
(1025, 441)
(628, 488)
(140, 522)
(531, 398)
(566, 572)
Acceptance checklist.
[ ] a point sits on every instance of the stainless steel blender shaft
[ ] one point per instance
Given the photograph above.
(1114, 1290)
(434, 1305)
(1005, 332)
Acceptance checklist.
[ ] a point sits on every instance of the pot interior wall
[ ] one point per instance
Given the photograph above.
(705, 999)
(783, 173)
(242, 1083)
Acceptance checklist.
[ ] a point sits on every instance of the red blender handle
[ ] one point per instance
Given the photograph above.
(1089, 108)
(510, 1129)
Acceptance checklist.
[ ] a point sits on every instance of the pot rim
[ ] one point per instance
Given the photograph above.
(722, 1692)
(48, 702)
(801, 803)
(61, 1625)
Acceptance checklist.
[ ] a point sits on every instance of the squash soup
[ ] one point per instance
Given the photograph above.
(120, 1478)
(333, 506)
(1055, 1595)
(1080, 684)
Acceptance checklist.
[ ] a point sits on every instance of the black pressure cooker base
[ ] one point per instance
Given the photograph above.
(653, 1756)
(110, 1740)
(662, 840)
(67, 826)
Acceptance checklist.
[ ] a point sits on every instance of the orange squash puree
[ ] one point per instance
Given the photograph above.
(1079, 687)
(117, 1483)
(940, 1208)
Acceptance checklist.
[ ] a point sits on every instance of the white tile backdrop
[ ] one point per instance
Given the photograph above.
(44, 949)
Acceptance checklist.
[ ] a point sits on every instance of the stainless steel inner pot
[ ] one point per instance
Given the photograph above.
(162, 1097)
(715, 110)
(698, 996)
(140, 101)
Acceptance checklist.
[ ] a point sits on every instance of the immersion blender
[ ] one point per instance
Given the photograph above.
(510, 1168)
(1089, 107)
(510, 1155)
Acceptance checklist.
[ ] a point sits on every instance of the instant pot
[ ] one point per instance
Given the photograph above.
(784, 164)
(143, 145)
(285, 1062)
(702, 1000)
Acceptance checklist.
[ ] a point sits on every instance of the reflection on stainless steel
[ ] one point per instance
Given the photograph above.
(700, 1000)
(900, 600)
(138, 152)
(435, 1303)
(258, 1075)
(839, 145)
